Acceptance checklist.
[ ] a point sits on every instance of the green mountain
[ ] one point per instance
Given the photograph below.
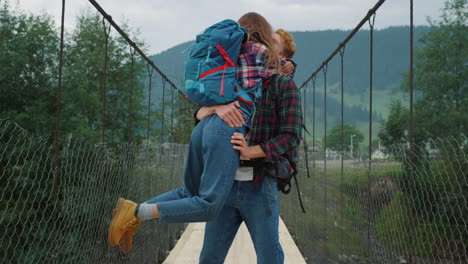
(391, 60)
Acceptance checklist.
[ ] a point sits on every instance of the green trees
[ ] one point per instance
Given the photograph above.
(434, 181)
(441, 77)
(441, 74)
(395, 129)
(28, 79)
(46, 209)
(350, 133)
(84, 79)
(28, 66)
(440, 82)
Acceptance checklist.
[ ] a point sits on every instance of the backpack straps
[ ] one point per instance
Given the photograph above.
(295, 171)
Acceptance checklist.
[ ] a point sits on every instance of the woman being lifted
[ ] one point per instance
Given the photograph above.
(211, 161)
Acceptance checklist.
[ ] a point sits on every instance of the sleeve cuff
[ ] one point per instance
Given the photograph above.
(196, 121)
(266, 149)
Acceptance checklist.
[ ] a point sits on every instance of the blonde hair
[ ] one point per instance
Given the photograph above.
(259, 30)
(289, 45)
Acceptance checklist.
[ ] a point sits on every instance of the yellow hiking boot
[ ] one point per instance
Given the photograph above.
(123, 220)
(126, 242)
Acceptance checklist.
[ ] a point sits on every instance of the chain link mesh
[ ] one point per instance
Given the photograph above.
(61, 215)
(408, 208)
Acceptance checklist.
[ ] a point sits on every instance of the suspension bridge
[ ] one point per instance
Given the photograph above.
(407, 209)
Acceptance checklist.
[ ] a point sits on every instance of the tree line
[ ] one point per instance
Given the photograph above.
(29, 78)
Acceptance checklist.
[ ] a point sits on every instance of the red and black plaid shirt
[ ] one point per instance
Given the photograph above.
(277, 123)
(251, 71)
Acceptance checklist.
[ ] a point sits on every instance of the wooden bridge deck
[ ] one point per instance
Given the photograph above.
(187, 249)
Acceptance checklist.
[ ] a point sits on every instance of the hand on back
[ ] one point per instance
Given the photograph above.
(287, 68)
(230, 113)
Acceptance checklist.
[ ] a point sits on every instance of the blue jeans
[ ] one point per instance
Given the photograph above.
(208, 177)
(259, 208)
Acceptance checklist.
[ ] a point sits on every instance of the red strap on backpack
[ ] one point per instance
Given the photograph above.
(228, 63)
(225, 56)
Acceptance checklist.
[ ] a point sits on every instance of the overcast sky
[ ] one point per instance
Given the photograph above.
(166, 23)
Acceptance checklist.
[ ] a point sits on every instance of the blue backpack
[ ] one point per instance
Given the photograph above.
(210, 70)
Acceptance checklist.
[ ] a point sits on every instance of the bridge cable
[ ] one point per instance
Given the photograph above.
(369, 176)
(163, 108)
(325, 69)
(56, 175)
(347, 39)
(125, 36)
(411, 220)
(150, 81)
(172, 116)
(304, 134)
(179, 120)
(314, 79)
(104, 78)
(342, 52)
(132, 79)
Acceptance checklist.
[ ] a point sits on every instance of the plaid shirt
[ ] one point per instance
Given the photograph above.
(277, 124)
(250, 72)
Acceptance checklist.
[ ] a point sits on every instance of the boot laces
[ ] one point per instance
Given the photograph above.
(131, 224)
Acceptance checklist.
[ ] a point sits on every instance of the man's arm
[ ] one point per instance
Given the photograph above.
(290, 121)
(290, 126)
(246, 151)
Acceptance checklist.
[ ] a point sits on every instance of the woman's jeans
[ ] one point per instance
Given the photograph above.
(208, 177)
(258, 206)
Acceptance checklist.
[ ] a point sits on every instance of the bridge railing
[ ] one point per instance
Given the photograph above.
(404, 203)
(50, 216)
(389, 219)
(57, 193)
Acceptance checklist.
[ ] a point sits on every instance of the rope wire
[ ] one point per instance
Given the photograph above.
(343, 43)
(342, 52)
(104, 78)
(325, 69)
(137, 49)
(150, 81)
(369, 172)
(57, 134)
(132, 79)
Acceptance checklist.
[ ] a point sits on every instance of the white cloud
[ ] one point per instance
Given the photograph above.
(164, 24)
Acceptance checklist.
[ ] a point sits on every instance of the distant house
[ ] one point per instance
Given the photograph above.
(378, 154)
(332, 154)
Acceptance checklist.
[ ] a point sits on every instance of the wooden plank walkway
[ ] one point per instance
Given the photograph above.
(187, 249)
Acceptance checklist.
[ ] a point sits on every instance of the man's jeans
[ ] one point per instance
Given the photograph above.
(259, 208)
(208, 177)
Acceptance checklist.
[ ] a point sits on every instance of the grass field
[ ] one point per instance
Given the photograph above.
(337, 221)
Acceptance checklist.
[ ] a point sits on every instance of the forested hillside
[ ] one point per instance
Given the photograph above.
(391, 60)
(32, 97)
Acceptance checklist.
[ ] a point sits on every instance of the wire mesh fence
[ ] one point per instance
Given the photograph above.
(59, 212)
(406, 208)
(409, 207)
